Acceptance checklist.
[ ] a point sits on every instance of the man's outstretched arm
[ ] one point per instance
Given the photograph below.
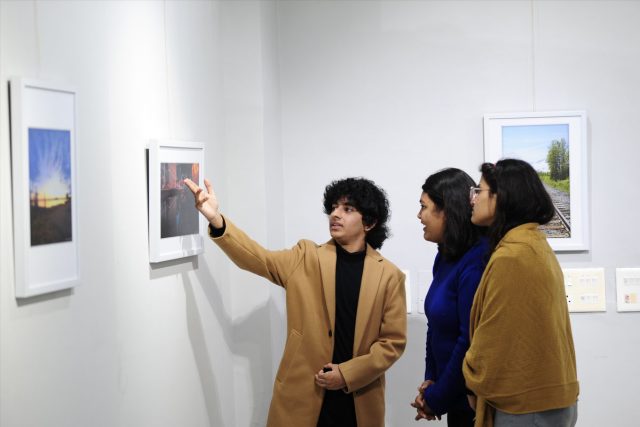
(246, 253)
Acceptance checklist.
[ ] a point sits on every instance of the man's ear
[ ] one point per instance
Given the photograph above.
(369, 227)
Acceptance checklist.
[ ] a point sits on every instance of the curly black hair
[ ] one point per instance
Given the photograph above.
(449, 190)
(369, 199)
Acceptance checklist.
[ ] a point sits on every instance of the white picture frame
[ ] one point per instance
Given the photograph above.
(531, 136)
(175, 226)
(628, 289)
(45, 192)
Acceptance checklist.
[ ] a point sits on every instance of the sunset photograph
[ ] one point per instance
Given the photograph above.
(50, 186)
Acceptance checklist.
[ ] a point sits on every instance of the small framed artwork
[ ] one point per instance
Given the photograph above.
(45, 196)
(175, 225)
(628, 289)
(555, 144)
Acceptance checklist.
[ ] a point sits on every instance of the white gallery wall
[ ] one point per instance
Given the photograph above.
(396, 91)
(137, 345)
(288, 95)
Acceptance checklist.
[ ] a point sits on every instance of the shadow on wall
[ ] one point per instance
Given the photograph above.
(247, 339)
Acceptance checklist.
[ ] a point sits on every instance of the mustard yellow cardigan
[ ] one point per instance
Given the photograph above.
(521, 358)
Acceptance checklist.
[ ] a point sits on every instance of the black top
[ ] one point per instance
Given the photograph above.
(338, 409)
(217, 232)
(349, 268)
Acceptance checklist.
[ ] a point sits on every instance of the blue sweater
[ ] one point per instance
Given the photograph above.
(447, 307)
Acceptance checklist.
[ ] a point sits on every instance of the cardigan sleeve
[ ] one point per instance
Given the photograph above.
(450, 385)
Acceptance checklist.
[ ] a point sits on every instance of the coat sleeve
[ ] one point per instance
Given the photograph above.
(388, 347)
(276, 266)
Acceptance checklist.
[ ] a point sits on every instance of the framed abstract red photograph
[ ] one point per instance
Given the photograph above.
(175, 226)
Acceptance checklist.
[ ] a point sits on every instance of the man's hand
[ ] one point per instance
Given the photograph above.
(423, 410)
(331, 380)
(206, 202)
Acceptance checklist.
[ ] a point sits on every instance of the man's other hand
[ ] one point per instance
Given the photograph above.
(332, 379)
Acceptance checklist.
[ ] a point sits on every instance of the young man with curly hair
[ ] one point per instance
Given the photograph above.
(346, 313)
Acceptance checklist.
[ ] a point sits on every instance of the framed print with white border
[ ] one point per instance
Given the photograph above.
(175, 225)
(628, 289)
(555, 144)
(45, 192)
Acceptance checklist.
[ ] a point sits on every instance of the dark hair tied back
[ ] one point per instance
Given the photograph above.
(521, 197)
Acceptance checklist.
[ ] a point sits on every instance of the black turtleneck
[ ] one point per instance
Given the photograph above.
(338, 409)
(349, 268)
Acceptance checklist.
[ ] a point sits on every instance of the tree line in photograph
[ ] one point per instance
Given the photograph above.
(558, 162)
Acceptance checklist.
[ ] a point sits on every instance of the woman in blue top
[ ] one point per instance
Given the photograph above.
(446, 216)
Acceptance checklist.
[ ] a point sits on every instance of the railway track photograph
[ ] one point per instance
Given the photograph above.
(546, 148)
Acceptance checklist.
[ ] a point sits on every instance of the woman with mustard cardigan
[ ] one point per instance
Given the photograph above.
(521, 365)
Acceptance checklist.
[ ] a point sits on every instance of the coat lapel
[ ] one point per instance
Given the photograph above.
(368, 290)
(327, 257)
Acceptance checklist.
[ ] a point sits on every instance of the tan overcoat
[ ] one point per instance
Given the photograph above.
(307, 272)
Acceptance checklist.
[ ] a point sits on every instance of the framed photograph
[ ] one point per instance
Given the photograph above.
(175, 225)
(628, 289)
(43, 151)
(555, 144)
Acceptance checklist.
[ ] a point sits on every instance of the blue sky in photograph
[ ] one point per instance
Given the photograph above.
(50, 162)
(531, 142)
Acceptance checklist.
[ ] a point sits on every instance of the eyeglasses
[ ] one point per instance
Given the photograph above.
(474, 191)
